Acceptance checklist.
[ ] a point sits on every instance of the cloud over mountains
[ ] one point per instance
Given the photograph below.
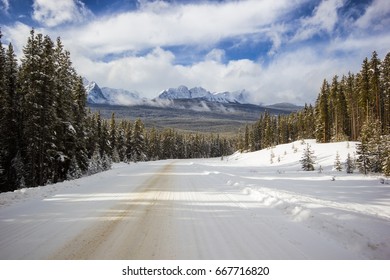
(276, 50)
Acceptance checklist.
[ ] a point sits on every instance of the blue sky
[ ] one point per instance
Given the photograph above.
(278, 50)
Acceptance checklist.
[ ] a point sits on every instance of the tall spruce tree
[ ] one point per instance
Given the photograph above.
(375, 91)
(3, 151)
(385, 82)
(386, 155)
(322, 114)
(11, 119)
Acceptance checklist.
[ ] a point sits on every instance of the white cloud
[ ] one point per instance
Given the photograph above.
(4, 4)
(216, 55)
(294, 77)
(130, 50)
(52, 13)
(376, 16)
(324, 18)
(191, 24)
(17, 34)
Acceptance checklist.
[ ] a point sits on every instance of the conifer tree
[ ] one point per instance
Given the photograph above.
(95, 164)
(375, 148)
(121, 139)
(74, 170)
(349, 165)
(385, 85)
(337, 164)
(128, 141)
(153, 144)
(352, 105)
(386, 155)
(375, 92)
(362, 150)
(80, 122)
(364, 90)
(322, 114)
(113, 134)
(10, 122)
(138, 142)
(307, 160)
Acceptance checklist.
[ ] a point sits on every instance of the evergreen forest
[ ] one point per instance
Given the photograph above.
(355, 107)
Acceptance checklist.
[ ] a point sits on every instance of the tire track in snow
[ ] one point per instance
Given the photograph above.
(122, 230)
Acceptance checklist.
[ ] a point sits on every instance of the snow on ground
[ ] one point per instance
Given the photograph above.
(239, 207)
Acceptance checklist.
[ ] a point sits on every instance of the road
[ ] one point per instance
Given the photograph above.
(162, 210)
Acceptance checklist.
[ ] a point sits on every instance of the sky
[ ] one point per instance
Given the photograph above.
(277, 50)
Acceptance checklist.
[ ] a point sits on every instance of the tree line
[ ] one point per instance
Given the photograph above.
(128, 141)
(355, 107)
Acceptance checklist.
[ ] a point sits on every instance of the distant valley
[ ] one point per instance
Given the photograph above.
(181, 108)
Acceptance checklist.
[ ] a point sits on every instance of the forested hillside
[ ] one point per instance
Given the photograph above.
(355, 107)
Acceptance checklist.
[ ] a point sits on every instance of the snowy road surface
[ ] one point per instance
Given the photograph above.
(201, 209)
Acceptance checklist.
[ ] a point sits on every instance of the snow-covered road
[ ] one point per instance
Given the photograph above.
(201, 209)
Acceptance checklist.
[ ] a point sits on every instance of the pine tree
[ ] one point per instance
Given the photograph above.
(375, 146)
(349, 165)
(128, 141)
(95, 164)
(364, 90)
(115, 156)
(17, 166)
(154, 144)
(10, 120)
(362, 150)
(386, 155)
(385, 79)
(322, 115)
(121, 134)
(74, 170)
(352, 105)
(246, 138)
(68, 122)
(375, 92)
(337, 164)
(307, 159)
(113, 135)
(138, 142)
(37, 74)
(80, 122)
(106, 162)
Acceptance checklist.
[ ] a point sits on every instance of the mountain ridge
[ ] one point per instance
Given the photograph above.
(183, 92)
(196, 98)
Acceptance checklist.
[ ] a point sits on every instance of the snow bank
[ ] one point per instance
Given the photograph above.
(288, 155)
(24, 194)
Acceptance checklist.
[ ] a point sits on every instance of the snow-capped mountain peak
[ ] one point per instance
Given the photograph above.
(95, 94)
(182, 92)
(111, 96)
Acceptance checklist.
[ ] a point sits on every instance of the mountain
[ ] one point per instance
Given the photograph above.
(182, 92)
(109, 96)
(120, 96)
(95, 94)
(195, 109)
